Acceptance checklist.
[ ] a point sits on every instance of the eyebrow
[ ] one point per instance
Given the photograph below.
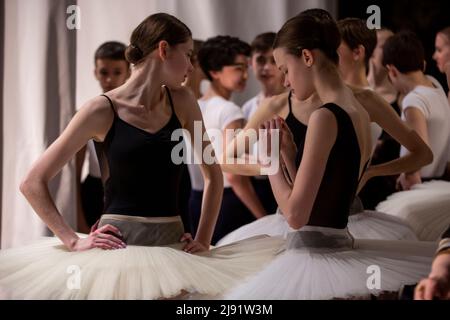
(239, 64)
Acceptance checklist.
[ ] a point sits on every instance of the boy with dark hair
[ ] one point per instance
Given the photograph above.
(111, 71)
(271, 83)
(224, 60)
(425, 107)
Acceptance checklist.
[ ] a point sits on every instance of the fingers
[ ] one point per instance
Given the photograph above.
(186, 237)
(193, 246)
(426, 289)
(105, 244)
(430, 289)
(95, 226)
(419, 291)
(110, 228)
(116, 241)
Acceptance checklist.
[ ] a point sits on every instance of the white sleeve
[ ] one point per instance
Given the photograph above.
(230, 113)
(414, 100)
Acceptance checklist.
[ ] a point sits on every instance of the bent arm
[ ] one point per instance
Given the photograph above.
(296, 202)
(212, 174)
(419, 153)
(268, 108)
(89, 122)
(242, 185)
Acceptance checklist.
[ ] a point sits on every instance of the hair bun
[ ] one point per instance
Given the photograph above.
(133, 54)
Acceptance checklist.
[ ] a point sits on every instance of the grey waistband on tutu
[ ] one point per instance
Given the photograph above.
(146, 231)
(319, 237)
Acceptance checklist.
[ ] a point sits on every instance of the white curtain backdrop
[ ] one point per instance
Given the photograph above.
(39, 100)
(39, 76)
(105, 20)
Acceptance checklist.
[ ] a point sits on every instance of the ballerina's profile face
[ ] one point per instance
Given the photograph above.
(178, 63)
(442, 52)
(297, 72)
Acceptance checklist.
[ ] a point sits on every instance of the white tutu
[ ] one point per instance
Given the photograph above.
(47, 270)
(425, 208)
(365, 225)
(308, 270)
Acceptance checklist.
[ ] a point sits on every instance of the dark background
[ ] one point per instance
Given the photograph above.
(424, 17)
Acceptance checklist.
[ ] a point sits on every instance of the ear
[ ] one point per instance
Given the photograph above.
(308, 57)
(163, 47)
(96, 73)
(359, 53)
(392, 70)
(215, 74)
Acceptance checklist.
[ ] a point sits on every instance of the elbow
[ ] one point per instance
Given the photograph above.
(25, 186)
(428, 156)
(28, 185)
(295, 220)
(214, 177)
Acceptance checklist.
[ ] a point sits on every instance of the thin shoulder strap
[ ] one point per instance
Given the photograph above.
(110, 103)
(290, 101)
(170, 98)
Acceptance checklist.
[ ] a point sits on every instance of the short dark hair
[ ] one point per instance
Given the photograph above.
(404, 51)
(221, 51)
(113, 50)
(354, 32)
(263, 42)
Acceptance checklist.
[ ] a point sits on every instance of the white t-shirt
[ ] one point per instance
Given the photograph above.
(433, 103)
(217, 114)
(251, 105)
(90, 165)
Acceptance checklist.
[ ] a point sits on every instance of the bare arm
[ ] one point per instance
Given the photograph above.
(92, 121)
(242, 185)
(266, 111)
(189, 113)
(296, 202)
(383, 114)
(81, 220)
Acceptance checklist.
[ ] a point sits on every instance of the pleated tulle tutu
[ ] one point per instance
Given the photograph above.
(324, 263)
(47, 270)
(364, 225)
(425, 208)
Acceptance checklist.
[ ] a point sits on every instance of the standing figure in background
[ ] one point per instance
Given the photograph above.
(271, 83)
(224, 60)
(111, 71)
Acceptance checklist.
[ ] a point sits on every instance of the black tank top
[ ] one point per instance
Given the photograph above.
(340, 181)
(139, 176)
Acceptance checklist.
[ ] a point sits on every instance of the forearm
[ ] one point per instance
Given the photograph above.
(245, 191)
(409, 163)
(38, 195)
(288, 158)
(281, 189)
(241, 166)
(212, 199)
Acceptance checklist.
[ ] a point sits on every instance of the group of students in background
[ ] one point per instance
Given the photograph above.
(356, 114)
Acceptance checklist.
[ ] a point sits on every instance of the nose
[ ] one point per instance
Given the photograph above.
(245, 75)
(286, 82)
(108, 79)
(435, 56)
(190, 67)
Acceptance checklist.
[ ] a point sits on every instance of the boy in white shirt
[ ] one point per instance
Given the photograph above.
(425, 107)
